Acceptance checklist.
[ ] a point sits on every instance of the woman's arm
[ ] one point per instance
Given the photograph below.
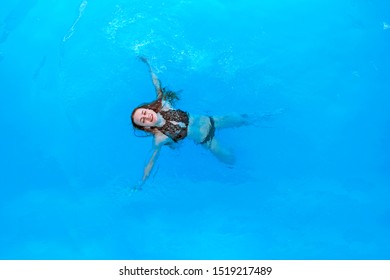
(148, 168)
(159, 141)
(155, 80)
(150, 164)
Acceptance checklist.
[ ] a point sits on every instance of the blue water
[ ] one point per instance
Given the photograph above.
(313, 183)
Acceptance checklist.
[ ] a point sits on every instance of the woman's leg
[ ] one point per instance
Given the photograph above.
(237, 120)
(223, 154)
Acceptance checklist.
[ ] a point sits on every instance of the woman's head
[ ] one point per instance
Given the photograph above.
(144, 117)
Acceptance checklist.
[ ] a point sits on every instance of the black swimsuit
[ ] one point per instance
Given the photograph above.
(211, 133)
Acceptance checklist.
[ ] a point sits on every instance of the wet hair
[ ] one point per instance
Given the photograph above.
(170, 96)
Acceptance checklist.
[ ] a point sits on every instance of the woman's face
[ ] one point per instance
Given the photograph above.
(145, 117)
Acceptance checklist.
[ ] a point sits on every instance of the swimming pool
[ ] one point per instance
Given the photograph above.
(312, 183)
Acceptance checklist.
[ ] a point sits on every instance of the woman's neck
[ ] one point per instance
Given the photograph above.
(160, 120)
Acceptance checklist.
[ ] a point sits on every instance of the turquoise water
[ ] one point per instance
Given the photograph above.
(313, 183)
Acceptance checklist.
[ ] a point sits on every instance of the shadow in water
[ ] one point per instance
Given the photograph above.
(15, 17)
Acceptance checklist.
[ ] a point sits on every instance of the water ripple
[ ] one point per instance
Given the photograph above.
(82, 7)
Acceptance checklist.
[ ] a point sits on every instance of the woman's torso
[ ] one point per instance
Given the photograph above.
(179, 124)
(198, 128)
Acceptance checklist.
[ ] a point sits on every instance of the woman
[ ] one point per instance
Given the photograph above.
(169, 125)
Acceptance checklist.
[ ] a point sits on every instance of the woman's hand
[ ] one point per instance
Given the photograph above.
(138, 186)
(143, 59)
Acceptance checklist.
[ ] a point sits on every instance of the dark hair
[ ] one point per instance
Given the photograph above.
(155, 106)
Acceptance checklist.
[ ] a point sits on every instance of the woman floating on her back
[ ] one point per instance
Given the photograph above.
(169, 125)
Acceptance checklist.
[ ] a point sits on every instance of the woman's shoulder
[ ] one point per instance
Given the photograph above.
(160, 138)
